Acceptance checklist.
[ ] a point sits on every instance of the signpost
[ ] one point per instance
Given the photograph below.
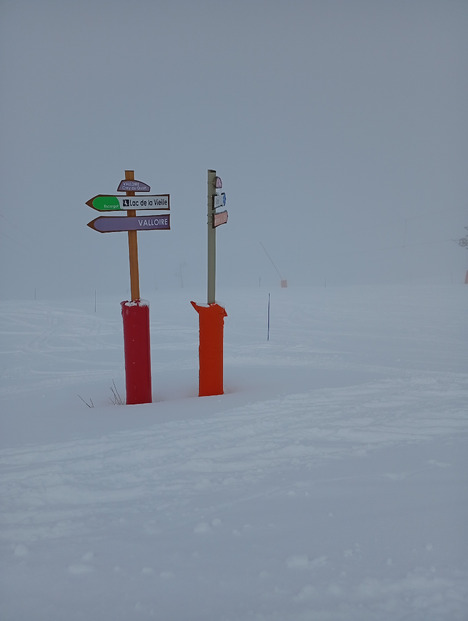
(103, 202)
(135, 313)
(212, 182)
(215, 200)
(131, 223)
(211, 316)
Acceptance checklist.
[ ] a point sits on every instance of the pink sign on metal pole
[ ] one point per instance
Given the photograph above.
(220, 218)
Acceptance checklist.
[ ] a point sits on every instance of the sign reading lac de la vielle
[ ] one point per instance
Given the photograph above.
(104, 202)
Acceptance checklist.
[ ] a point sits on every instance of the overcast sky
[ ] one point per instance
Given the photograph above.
(339, 129)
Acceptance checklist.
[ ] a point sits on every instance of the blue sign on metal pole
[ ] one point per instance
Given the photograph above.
(219, 200)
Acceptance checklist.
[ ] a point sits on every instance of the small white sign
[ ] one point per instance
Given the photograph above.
(219, 200)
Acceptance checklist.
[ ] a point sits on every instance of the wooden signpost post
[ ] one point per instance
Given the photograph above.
(135, 313)
(133, 248)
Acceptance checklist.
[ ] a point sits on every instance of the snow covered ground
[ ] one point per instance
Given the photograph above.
(328, 483)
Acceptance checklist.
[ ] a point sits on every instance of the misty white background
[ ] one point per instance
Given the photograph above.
(339, 130)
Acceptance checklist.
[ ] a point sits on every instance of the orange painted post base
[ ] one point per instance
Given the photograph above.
(211, 318)
(136, 330)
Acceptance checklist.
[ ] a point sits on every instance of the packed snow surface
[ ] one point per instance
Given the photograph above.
(328, 483)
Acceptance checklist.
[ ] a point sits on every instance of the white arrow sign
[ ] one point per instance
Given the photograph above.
(103, 202)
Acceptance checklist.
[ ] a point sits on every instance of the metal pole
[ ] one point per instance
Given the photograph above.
(211, 239)
(268, 320)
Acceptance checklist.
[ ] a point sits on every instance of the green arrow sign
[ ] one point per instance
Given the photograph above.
(103, 202)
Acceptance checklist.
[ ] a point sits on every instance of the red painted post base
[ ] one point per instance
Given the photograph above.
(136, 331)
(211, 320)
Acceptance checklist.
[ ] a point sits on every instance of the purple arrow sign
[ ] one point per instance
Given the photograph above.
(132, 185)
(113, 224)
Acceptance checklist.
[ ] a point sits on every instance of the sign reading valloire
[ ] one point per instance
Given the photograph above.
(104, 202)
(113, 224)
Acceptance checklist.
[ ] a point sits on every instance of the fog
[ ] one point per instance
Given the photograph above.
(339, 130)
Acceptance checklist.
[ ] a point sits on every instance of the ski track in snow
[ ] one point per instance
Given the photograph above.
(328, 483)
(239, 448)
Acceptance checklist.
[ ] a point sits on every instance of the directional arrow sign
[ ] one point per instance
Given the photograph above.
(103, 202)
(113, 224)
(219, 200)
(132, 185)
(220, 218)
